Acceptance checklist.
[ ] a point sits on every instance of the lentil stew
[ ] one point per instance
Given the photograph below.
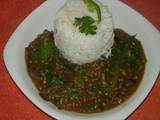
(89, 88)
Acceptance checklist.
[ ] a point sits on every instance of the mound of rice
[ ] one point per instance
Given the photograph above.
(76, 46)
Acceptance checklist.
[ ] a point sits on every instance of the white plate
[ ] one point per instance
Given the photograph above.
(43, 17)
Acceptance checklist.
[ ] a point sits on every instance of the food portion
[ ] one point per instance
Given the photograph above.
(85, 65)
(88, 88)
(83, 31)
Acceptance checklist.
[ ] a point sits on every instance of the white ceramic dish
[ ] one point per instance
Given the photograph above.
(43, 17)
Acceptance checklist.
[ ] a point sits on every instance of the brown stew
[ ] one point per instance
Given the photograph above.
(89, 88)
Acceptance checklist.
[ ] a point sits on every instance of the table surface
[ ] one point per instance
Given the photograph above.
(15, 106)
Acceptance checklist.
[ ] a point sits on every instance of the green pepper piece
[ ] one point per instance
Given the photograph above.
(93, 6)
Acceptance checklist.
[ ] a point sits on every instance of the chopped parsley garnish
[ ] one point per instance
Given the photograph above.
(74, 96)
(86, 25)
(43, 52)
(55, 81)
(114, 71)
(81, 73)
(52, 79)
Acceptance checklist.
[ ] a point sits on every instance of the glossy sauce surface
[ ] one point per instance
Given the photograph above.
(89, 88)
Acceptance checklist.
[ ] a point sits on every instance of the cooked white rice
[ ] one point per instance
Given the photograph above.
(76, 46)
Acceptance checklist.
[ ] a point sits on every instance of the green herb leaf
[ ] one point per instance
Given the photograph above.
(43, 52)
(86, 25)
(114, 71)
(93, 6)
(117, 52)
(55, 81)
(79, 77)
(135, 52)
(106, 88)
(81, 73)
(67, 64)
(79, 82)
(131, 63)
(113, 85)
(75, 96)
(100, 88)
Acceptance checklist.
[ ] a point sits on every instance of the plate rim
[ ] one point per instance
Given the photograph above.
(35, 11)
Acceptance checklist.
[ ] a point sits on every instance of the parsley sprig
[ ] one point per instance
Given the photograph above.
(43, 52)
(86, 25)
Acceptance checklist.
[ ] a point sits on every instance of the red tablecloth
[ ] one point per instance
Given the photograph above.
(15, 106)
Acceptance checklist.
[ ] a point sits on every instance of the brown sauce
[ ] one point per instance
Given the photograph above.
(89, 88)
